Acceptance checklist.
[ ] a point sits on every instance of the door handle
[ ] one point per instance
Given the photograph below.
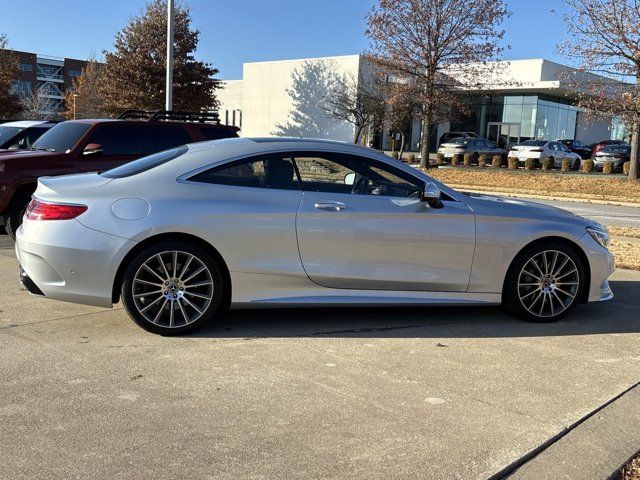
(331, 206)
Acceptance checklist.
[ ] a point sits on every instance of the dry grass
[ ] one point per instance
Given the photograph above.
(632, 470)
(627, 253)
(555, 184)
(631, 232)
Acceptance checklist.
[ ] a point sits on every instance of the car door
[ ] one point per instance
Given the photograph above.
(120, 142)
(247, 209)
(361, 225)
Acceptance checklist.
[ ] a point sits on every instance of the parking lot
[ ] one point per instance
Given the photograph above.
(345, 393)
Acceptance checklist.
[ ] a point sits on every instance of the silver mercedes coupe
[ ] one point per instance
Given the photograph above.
(181, 235)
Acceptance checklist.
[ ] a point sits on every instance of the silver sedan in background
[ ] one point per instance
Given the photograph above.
(473, 146)
(181, 235)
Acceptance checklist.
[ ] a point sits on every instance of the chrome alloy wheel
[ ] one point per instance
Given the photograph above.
(548, 283)
(172, 289)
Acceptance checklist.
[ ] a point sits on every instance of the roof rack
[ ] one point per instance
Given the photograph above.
(201, 117)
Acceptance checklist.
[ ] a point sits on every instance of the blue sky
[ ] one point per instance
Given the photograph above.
(238, 31)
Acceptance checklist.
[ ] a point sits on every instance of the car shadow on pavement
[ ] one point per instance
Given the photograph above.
(620, 315)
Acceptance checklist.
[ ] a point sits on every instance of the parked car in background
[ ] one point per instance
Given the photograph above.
(618, 154)
(280, 222)
(596, 147)
(473, 146)
(78, 146)
(21, 135)
(451, 135)
(576, 146)
(542, 149)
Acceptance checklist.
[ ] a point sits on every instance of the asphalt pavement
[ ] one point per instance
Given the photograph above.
(434, 393)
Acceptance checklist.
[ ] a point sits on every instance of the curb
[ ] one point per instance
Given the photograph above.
(595, 447)
(488, 191)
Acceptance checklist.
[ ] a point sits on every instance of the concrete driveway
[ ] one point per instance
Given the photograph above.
(347, 393)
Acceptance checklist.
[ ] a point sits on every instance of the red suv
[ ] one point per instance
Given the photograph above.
(78, 146)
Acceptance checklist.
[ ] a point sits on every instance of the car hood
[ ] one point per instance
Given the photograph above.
(513, 207)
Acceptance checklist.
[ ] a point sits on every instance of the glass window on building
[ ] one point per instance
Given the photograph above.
(26, 67)
(73, 73)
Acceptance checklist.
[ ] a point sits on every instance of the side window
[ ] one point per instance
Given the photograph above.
(164, 137)
(350, 174)
(267, 171)
(216, 133)
(119, 139)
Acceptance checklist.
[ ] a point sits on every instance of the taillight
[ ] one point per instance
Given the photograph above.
(39, 210)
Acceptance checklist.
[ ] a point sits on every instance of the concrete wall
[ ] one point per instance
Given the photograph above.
(282, 98)
(590, 131)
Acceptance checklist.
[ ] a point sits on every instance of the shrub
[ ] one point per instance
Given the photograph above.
(626, 167)
(607, 167)
(456, 159)
(587, 166)
(566, 164)
(440, 158)
(482, 160)
(467, 159)
(512, 163)
(496, 161)
(547, 164)
(412, 158)
(530, 164)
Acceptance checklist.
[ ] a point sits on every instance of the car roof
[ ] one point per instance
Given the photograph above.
(127, 121)
(26, 123)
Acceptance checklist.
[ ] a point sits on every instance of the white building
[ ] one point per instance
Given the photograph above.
(526, 100)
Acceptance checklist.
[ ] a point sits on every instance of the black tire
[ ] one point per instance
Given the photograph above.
(14, 213)
(576, 165)
(512, 292)
(132, 288)
(474, 158)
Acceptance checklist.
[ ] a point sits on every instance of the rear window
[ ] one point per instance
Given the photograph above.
(533, 143)
(145, 164)
(616, 149)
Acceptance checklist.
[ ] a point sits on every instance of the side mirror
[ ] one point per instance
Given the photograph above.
(350, 178)
(93, 149)
(431, 195)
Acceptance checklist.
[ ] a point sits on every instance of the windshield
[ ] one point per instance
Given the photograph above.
(145, 163)
(533, 143)
(61, 138)
(7, 134)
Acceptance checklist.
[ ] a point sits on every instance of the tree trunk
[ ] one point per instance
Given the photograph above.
(401, 146)
(356, 137)
(634, 165)
(424, 143)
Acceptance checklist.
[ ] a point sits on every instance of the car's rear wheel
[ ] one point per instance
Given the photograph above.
(15, 212)
(173, 288)
(544, 283)
(576, 164)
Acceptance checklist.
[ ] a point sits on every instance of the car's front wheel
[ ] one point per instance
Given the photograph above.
(173, 288)
(544, 283)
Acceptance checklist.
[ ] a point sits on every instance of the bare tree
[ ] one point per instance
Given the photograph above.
(604, 43)
(400, 106)
(357, 101)
(441, 45)
(36, 107)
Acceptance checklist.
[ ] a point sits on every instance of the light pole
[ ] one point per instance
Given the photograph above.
(74, 105)
(169, 86)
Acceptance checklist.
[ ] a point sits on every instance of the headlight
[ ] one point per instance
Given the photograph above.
(600, 235)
